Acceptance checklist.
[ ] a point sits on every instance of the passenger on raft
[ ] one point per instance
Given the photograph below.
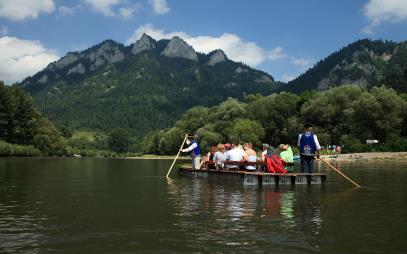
(251, 156)
(209, 157)
(220, 157)
(236, 155)
(264, 153)
(194, 151)
(287, 157)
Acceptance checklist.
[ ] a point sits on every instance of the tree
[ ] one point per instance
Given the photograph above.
(48, 139)
(119, 140)
(245, 130)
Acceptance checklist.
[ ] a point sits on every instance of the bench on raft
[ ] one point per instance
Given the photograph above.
(255, 177)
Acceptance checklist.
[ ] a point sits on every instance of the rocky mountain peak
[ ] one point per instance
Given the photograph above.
(216, 56)
(107, 52)
(144, 43)
(179, 48)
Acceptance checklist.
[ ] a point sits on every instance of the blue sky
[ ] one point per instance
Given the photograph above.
(283, 38)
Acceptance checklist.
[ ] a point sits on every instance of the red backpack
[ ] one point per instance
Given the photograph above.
(274, 164)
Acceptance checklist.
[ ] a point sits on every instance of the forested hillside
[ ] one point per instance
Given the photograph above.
(364, 62)
(23, 130)
(143, 87)
(347, 115)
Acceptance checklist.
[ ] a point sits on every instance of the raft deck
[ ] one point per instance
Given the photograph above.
(256, 177)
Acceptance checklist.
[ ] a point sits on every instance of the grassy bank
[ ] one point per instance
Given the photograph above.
(7, 149)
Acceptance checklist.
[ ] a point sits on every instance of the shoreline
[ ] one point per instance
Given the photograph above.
(340, 157)
(346, 157)
(349, 157)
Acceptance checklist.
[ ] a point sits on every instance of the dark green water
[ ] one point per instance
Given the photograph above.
(126, 206)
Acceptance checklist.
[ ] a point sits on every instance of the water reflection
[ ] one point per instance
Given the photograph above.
(124, 206)
(247, 216)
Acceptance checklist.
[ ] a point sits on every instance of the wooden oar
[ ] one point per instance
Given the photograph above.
(176, 157)
(339, 172)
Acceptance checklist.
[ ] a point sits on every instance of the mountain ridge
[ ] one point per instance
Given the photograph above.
(142, 87)
(364, 62)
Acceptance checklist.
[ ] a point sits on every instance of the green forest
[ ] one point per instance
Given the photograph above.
(347, 116)
(23, 130)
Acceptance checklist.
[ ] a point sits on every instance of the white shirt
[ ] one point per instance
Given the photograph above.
(235, 154)
(190, 148)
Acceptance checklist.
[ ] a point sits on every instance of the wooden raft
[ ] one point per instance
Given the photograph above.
(256, 177)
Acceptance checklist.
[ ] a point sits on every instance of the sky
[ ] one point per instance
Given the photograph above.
(281, 37)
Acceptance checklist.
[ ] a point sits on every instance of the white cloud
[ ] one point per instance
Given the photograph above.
(276, 53)
(22, 58)
(3, 30)
(382, 11)
(305, 63)
(23, 9)
(68, 11)
(114, 8)
(129, 11)
(235, 48)
(288, 77)
(103, 6)
(159, 6)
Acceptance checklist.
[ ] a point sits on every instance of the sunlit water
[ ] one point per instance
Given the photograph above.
(127, 206)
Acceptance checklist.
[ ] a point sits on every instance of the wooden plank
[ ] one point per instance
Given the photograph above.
(284, 180)
(268, 180)
(250, 179)
(315, 179)
(301, 179)
(257, 177)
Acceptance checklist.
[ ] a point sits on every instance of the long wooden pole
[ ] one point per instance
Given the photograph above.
(339, 172)
(176, 157)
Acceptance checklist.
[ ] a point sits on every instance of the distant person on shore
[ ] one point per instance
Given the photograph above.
(220, 157)
(287, 157)
(194, 151)
(251, 156)
(309, 148)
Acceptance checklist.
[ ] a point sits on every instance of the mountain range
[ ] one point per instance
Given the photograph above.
(364, 62)
(142, 87)
(147, 85)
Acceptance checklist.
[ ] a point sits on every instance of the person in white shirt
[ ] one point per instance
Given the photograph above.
(235, 154)
(220, 157)
(195, 152)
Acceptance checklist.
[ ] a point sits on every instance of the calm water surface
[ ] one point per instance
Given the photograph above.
(127, 206)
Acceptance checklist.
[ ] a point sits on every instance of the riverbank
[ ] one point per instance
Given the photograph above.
(371, 156)
(157, 157)
(339, 157)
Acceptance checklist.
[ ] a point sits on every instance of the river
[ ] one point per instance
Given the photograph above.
(66, 205)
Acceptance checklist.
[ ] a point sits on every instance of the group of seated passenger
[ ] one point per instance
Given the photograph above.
(243, 157)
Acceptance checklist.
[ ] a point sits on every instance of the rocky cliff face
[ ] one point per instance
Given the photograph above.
(216, 56)
(144, 43)
(179, 48)
(110, 52)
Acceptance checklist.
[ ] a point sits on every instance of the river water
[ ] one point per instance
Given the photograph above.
(56, 205)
